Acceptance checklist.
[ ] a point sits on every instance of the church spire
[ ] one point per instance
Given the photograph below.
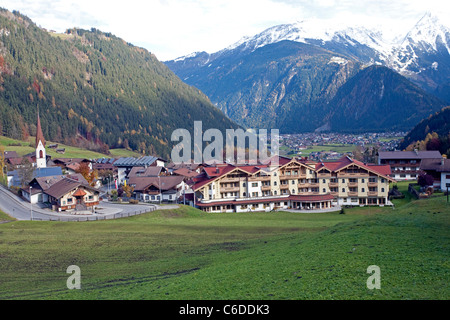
(41, 157)
(39, 134)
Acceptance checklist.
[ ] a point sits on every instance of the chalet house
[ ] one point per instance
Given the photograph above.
(439, 169)
(156, 189)
(71, 165)
(294, 183)
(125, 164)
(69, 194)
(405, 165)
(39, 185)
(146, 172)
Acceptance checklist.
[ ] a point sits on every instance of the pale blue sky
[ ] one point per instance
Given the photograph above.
(172, 28)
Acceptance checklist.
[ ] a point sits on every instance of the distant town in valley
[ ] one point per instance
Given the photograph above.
(332, 146)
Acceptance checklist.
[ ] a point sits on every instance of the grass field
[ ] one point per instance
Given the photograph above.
(188, 254)
(70, 152)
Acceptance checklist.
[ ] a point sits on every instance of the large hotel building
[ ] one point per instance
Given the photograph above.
(292, 184)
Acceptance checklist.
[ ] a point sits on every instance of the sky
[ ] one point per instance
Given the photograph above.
(174, 28)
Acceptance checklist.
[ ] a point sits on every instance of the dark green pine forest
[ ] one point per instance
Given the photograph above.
(93, 90)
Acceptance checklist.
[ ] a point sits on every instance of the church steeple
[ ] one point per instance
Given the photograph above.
(41, 157)
(39, 134)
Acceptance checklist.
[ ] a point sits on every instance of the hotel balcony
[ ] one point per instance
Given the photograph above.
(229, 189)
(260, 178)
(228, 179)
(333, 184)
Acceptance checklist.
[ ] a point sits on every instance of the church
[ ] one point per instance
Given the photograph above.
(41, 156)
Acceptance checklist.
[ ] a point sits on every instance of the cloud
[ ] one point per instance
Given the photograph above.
(171, 28)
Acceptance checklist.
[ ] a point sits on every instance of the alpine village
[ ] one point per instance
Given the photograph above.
(86, 139)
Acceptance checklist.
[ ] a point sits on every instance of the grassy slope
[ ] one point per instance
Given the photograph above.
(71, 152)
(186, 254)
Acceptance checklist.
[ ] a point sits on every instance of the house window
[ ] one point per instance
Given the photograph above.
(343, 189)
(363, 190)
(69, 200)
(91, 198)
(323, 190)
(254, 184)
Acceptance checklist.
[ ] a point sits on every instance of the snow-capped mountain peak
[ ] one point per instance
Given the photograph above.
(428, 32)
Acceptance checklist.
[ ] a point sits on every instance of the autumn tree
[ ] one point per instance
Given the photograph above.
(90, 175)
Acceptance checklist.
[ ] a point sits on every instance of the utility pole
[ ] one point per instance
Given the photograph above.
(31, 206)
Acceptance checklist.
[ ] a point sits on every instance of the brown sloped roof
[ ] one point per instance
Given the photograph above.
(167, 182)
(64, 186)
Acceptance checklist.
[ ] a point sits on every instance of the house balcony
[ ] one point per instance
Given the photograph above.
(352, 193)
(372, 193)
(265, 188)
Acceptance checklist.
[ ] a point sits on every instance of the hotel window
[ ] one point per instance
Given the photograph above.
(363, 190)
(324, 181)
(343, 189)
(343, 180)
(323, 190)
(254, 184)
(382, 189)
(293, 191)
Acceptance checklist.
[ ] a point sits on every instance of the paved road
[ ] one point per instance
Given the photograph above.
(22, 210)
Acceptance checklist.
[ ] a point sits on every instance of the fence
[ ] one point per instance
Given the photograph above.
(97, 217)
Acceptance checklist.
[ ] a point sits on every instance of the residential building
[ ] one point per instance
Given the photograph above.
(125, 164)
(69, 194)
(158, 188)
(293, 183)
(439, 169)
(405, 165)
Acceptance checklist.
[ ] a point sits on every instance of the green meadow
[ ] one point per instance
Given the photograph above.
(24, 147)
(187, 254)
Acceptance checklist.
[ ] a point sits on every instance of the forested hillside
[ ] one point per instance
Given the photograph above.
(432, 133)
(93, 88)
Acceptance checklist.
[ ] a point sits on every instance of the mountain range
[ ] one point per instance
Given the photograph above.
(93, 89)
(308, 76)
